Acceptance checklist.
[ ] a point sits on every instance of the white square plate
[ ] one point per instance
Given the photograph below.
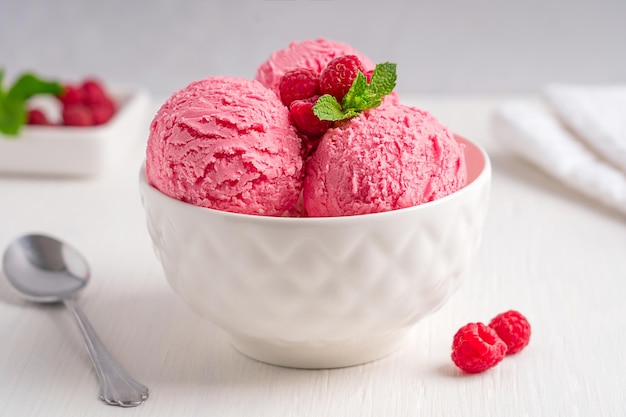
(77, 151)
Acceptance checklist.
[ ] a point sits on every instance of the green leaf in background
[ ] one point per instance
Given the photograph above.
(28, 85)
(1, 78)
(12, 116)
(13, 109)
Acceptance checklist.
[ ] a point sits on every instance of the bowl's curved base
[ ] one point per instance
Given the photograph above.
(320, 355)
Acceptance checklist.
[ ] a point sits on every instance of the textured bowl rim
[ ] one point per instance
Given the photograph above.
(483, 175)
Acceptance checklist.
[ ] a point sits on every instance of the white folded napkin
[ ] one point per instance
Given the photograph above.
(596, 114)
(577, 135)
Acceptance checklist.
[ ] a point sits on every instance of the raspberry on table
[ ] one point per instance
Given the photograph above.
(338, 76)
(298, 84)
(303, 118)
(77, 115)
(37, 117)
(476, 347)
(513, 328)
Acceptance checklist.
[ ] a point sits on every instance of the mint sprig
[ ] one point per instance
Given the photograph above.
(13, 109)
(361, 96)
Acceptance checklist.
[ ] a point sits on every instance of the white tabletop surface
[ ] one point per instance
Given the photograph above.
(555, 256)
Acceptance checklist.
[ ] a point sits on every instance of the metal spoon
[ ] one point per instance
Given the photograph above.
(44, 269)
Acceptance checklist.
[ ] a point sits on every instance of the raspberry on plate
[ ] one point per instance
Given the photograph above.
(303, 118)
(338, 76)
(102, 112)
(476, 347)
(37, 117)
(88, 104)
(93, 92)
(513, 328)
(298, 84)
(71, 95)
(77, 115)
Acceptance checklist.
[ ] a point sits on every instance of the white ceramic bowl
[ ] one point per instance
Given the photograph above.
(71, 151)
(319, 292)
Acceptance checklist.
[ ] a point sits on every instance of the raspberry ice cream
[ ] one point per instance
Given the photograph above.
(226, 143)
(309, 54)
(388, 158)
(231, 144)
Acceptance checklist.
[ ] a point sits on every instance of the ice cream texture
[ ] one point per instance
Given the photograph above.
(387, 158)
(226, 143)
(229, 144)
(312, 54)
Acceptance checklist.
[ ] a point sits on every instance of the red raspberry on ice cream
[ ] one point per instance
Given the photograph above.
(298, 84)
(305, 120)
(513, 328)
(476, 347)
(337, 78)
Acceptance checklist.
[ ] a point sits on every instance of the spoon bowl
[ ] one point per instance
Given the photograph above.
(44, 269)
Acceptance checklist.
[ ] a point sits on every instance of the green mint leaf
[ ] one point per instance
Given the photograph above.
(361, 95)
(371, 103)
(349, 113)
(356, 94)
(328, 108)
(383, 80)
(28, 85)
(12, 115)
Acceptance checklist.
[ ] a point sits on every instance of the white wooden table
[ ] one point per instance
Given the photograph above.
(553, 255)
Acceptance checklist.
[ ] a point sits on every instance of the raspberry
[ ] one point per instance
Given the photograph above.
(338, 76)
(93, 92)
(71, 95)
(102, 112)
(37, 117)
(305, 120)
(513, 328)
(77, 115)
(298, 84)
(477, 347)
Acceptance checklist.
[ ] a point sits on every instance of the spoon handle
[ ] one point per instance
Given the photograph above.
(116, 386)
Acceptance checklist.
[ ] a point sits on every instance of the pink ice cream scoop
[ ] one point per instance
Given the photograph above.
(388, 158)
(226, 143)
(311, 54)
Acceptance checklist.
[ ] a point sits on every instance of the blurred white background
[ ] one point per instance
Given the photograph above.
(450, 46)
